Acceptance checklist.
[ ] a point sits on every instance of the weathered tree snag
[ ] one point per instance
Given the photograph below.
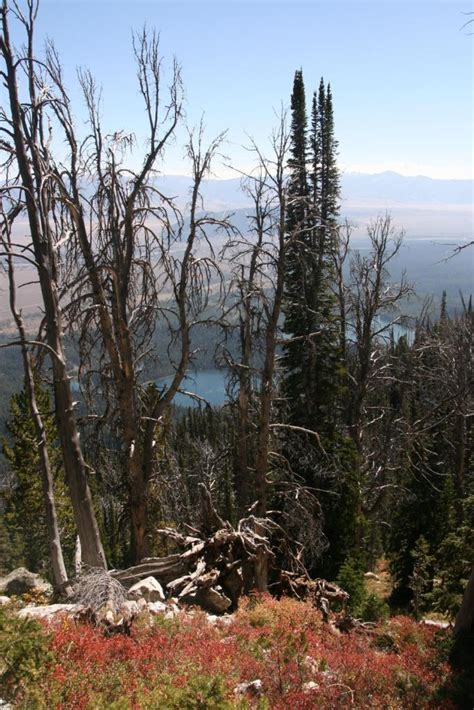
(464, 623)
(164, 569)
(320, 592)
(259, 262)
(208, 572)
(24, 125)
(57, 561)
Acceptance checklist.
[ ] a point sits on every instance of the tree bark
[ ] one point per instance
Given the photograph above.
(32, 179)
(464, 623)
(57, 561)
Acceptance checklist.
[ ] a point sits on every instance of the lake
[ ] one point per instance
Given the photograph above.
(209, 384)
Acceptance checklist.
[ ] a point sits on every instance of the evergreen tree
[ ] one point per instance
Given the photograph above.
(22, 500)
(298, 271)
(437, 477)
(312, 360)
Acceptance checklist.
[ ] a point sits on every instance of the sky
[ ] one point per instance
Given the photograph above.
(400, 71)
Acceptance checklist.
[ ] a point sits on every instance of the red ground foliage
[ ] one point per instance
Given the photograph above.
(187, 663)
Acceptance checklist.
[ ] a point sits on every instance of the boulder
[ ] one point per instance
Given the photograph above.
(4, 600)
(132, 607)
(211, 600)
(50, 611)
(21, 581)
(172, 611)
(253, 688)
(149, 589)
(156, 608)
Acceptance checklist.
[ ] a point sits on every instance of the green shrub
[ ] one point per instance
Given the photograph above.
(201, 692)
(374, 609)
(24, 653)
(351, 580)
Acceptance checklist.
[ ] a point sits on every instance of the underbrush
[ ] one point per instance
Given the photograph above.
(187, 663)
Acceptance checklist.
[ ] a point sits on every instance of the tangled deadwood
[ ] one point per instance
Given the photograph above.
(320, 592)
(218, 562)
(208, 570)
(100, 595)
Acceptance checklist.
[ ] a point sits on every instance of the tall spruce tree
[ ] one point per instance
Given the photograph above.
(312, 358)
(297, 288)
(312, 380)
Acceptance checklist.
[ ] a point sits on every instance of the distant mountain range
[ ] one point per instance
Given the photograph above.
(422, 206)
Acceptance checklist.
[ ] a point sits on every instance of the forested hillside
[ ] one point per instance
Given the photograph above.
(343, 447)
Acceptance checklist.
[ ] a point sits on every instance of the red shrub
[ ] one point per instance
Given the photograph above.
(299, 660)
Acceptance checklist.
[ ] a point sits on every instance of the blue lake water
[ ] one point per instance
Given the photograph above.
(209, 384)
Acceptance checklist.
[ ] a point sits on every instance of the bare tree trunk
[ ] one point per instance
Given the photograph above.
(243, 485)
(78, 557)
(123, 244)
(267, 385)
(264, 273)
(57, 561)
(464, 623)
(36, 202)
(54, 540)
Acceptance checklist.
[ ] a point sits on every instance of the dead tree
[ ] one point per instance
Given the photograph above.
(258, 275)
(369, 298)
(208, 570)
(7, 250)
(26, 150)
(134, 259)
(369, 307)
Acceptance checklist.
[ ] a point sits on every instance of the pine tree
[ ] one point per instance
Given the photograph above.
(296, 287)
(312, 358)
(22, 501)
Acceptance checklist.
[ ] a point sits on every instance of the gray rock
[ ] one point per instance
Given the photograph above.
(131, 607)
(437, 624)
(3, 601)
(211, 600)
(21, 581)
(156, 608)
(225, 620)
(253, 687)
(49, 612)
(149, 589)
(309, 686)
(173, 611)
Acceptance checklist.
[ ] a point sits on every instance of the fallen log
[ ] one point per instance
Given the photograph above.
(210, 567)
(164, 569)
(208, 570)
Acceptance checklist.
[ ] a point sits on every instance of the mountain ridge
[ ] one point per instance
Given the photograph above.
(421, 205)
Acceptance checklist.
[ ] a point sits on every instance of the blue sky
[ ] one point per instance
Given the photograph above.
(401, 71)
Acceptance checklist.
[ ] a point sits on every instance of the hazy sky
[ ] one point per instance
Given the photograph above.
(401, 70)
